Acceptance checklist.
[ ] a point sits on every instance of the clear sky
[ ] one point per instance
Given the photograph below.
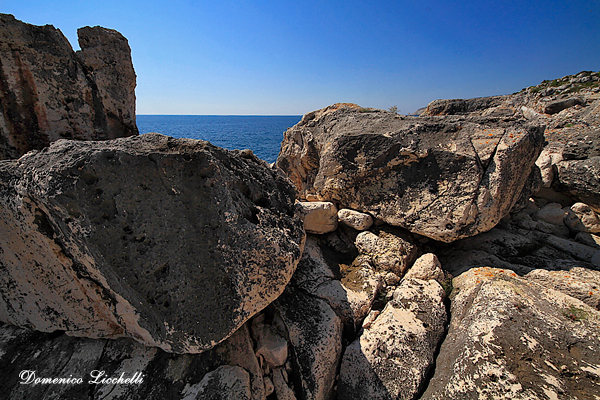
(291, 57)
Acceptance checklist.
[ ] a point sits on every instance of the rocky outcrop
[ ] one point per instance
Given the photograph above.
(512, 338)
(174, 243)
(49, 92)
(175, 246)
(444, 179)
(461, 106)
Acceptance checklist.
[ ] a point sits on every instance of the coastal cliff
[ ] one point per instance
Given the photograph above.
(449, 256)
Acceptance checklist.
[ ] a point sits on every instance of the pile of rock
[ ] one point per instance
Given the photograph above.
(433, 257)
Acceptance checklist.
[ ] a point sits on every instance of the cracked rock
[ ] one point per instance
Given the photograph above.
(517, 338)
(393, 354)
(444, 179)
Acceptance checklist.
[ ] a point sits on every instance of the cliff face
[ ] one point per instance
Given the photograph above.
(49, 92)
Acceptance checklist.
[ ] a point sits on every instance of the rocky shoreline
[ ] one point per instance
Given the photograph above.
(451, 255)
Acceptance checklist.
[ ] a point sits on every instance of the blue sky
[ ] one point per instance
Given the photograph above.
(291, 57)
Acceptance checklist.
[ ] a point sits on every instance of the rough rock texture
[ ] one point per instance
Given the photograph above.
(354, 219)
(569, 107)
(393, 354)
(518, 249)
(224, 383)
(461, 106)
(581, 218)
(580, 179)
(174, 243)
(319, 216)
(315, 333)
(49, 92)
(512, 338)
(426, 267)
(162, 375)
(350, 290)
(388, 250)
(444, 179)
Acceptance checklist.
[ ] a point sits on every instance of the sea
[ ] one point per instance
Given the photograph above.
(260, 133)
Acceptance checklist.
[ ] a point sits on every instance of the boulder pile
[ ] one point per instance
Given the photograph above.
(454, 255)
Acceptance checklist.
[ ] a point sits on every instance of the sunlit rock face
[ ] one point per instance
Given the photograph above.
(442, 178)
(49, 92)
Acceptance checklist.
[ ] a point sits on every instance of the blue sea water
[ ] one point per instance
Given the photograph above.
(261, 134)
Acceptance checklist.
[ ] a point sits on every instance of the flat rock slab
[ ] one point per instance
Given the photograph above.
(172, 242)
(516, 338)
(442, 177)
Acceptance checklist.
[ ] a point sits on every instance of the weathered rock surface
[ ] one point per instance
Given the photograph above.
(350, 290)
(426, 267)
(49, 92)
(388, 250)
(512, 338)
(224, 383)
(444, 179)
(157, 375)
(319, 216)
(580, 179)
(315, 333)
(521, 250)
(581, 218)
(393, 354)
(174, 243)
(461, 106)
(354, 219)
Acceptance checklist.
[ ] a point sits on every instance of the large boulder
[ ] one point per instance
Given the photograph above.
(516, 338)
(580, 179)
(49, 92)
(442, 178)
(172, 242)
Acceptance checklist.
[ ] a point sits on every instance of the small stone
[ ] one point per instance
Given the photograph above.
(391, 279)
(388, 251)
(551, 213)
(269, 387)
(282, 390)
(581, 218)
(270, 345)
(354, 219)
(426, 267)
(319, 216)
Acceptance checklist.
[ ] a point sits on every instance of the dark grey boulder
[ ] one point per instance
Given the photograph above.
(172, 242)
(559, 105)
(580, 179)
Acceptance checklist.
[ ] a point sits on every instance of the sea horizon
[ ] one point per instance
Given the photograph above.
(260, 133)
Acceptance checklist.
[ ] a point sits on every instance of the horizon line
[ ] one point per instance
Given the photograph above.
(223, 115)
